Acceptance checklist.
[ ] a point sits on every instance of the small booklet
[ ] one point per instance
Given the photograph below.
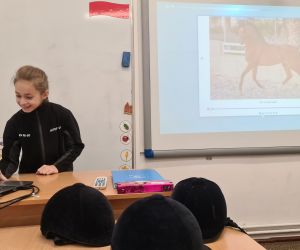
(135, 175)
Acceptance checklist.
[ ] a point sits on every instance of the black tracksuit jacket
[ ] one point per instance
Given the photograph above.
(48, 135)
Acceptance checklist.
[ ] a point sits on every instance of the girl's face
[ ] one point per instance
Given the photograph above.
(27, 96)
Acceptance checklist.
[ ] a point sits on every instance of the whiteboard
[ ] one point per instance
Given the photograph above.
(81, 55)
(187, 73)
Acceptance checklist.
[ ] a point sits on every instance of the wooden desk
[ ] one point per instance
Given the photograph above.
(28, 211)
(232, 239)
(30, 237)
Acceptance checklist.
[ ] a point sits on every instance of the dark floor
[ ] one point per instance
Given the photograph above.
(282, 245)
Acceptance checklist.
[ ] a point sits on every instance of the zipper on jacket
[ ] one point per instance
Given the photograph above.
(41, 138)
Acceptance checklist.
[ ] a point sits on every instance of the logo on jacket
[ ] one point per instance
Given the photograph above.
(24, 135)
(55, 129)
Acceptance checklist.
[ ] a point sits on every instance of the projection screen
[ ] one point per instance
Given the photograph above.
(221, 77)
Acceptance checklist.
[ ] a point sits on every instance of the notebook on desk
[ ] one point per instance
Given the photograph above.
(11, 186)
(121, 176)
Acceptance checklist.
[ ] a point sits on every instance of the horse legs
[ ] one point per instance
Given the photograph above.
(245, 72)
(287, 72)
(254, 74)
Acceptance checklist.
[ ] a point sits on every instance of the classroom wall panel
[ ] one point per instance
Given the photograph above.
(262, 191)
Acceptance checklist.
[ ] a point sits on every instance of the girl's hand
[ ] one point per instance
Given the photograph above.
(47, 170)
(2, 177)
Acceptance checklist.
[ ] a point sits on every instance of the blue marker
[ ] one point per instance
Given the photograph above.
(126, 59)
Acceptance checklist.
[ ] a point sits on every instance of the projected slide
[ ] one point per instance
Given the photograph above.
(248, 65)
(223, 68)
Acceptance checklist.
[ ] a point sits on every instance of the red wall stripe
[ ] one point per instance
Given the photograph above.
(109, 9)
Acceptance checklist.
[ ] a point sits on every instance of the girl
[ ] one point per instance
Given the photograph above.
(47, 133)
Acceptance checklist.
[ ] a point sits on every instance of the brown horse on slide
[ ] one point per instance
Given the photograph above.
(260, 53)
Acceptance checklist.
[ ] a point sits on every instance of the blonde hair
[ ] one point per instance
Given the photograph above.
(37, 76)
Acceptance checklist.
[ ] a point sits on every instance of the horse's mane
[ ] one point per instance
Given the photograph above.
(251, 34)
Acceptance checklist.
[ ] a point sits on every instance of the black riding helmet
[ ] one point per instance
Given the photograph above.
(206, 201)
(78, 214)
(159, 223)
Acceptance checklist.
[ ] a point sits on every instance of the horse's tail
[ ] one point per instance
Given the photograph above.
(292, 58)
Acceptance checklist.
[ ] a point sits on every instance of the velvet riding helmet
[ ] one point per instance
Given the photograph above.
(205, 200)
(159, 223)
(78, 214)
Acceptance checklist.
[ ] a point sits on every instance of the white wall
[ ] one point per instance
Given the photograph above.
(82, 56)
(262, 192)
